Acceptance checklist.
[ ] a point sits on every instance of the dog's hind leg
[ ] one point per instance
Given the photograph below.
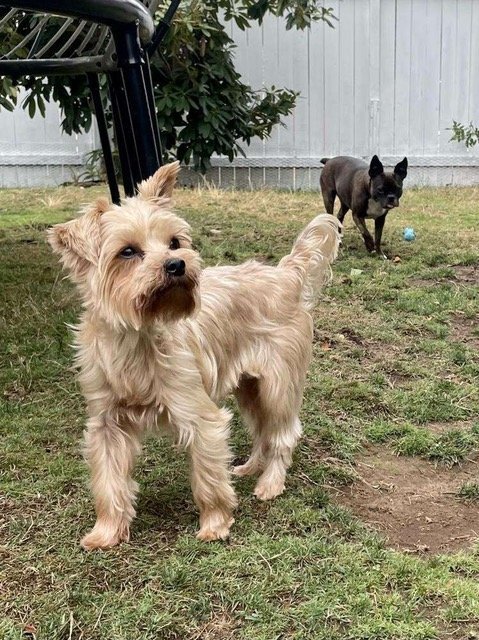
(280, 440)
(270, 410)
(329, 196)
(247, 395)
(342, 212)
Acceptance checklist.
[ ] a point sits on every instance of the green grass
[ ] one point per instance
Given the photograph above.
(450, 447)
(392, 367)
(469, 491)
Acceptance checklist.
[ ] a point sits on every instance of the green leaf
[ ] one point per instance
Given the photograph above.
(30, 105)
(41, 106)
(6, 104)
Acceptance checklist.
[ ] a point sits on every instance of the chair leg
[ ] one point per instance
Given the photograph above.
(163, 26)
(131, 62)
(104, 137)
(124, 134)
(151, 102)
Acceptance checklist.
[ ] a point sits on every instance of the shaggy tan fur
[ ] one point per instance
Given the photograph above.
(159, 351)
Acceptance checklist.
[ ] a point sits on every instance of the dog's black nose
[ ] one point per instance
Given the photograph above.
(175, 267)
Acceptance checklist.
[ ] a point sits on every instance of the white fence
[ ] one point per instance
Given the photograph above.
(35, 152)
(389, 79)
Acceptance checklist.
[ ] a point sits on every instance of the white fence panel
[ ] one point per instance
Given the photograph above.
(35, 152)
(389, 79)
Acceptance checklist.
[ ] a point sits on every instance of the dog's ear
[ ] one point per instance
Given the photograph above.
(400, 170)
(161, 184)
(78, 241)
(376, 167)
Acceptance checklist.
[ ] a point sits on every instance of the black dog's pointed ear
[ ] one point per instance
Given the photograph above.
(376, 167)
(400, 170)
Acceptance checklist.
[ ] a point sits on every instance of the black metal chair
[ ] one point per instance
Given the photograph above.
(112, 37)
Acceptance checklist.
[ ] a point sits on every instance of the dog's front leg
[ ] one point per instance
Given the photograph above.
(211, 477)
(204, 429)
(378, 232)
(110, 450)
(367, 237)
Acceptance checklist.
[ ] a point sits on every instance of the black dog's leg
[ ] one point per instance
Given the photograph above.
(328, 198)
(361, 225)
(342, 212)
(378, 232)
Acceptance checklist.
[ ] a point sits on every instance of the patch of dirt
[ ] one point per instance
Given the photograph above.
(463, 274)
(351, 335)
(374, 354)
(396, 379)
(424, 282)
(466, 274)
(387, 359)
(343, 337)
(466, 629)
(442, 427)
(15, 392)
(383, 353)
(413, 503)
(462, 329)
(219, 627)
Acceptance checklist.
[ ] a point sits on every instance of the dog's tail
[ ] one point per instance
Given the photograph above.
(324, 160)
(315, 249)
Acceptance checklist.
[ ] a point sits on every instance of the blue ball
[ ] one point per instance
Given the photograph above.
(409, 234)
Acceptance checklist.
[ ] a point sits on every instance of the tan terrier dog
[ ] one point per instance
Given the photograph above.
(160, 342)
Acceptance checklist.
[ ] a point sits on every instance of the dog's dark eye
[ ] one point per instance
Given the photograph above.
(174, 244)
(129, 252)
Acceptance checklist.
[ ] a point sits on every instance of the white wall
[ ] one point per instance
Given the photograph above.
(35, 152)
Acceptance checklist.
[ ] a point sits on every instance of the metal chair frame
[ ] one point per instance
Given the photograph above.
(125, 61)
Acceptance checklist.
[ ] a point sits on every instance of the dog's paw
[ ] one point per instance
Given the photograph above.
(104, 536)
(214, 526)
(268, 491)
